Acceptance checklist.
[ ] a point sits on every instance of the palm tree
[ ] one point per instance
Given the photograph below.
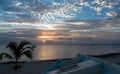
(18, 50)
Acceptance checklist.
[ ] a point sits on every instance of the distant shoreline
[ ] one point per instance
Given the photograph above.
(71, 44)
(106, 55)
(77, 44)
(93, 44)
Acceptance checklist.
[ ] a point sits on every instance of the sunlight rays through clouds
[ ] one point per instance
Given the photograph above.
(62, 16)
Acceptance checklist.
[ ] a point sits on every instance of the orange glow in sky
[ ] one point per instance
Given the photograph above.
(45, 36)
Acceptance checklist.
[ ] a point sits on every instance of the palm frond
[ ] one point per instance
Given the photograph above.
(27, 48)
(33, 46)
(1, 55)
(28, 53)
(12, 46)
(6, 55)
(22, 44)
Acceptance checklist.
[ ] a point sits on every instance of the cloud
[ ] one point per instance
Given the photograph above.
(111, 14)
(61, 36)
(102, 25)
(97, 9)
(27, 19)
(50, 11)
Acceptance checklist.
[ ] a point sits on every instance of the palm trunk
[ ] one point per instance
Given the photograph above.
(16, 64)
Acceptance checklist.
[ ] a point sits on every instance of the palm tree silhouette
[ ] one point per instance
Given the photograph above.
(18, 50)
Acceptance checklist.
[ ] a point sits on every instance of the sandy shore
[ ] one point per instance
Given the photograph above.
(37, 67)
(26, 68)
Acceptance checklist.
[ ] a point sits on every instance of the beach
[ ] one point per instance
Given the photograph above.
(34, 67)
(38, 67)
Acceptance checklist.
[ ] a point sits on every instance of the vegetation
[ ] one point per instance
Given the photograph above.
(18, 50)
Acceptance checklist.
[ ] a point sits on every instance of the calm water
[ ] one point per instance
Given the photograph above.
(48, 52)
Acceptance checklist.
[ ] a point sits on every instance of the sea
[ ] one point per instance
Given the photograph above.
(53, 52)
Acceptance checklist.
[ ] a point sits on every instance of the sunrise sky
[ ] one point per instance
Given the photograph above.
(60, 21)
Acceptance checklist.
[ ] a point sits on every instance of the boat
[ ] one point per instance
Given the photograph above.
(82, 64)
